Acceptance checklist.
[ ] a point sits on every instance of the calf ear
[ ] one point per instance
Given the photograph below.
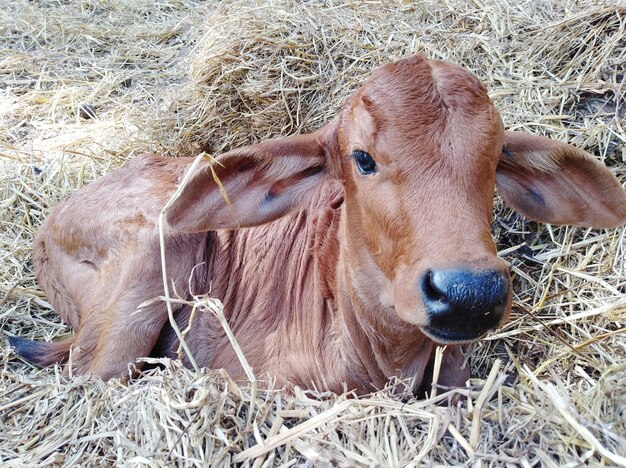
(556, 183)
(259, 183)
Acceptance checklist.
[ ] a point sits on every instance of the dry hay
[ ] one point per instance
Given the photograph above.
(179, 77)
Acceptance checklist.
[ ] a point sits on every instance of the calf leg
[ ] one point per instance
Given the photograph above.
(126, 327)
(104, 299)
(50, 280)
(453, 372)
(108, 348)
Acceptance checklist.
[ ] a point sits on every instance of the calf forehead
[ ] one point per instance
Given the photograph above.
(425, 104)
(429, 84)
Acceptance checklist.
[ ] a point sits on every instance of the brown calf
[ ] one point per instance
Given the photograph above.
(346, 255)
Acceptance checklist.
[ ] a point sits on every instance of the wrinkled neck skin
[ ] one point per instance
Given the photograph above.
(307, 314)
(386, 345)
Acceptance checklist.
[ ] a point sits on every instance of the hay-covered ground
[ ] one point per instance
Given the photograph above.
(85, 86)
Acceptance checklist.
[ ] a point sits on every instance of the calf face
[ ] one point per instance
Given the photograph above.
(424, 142)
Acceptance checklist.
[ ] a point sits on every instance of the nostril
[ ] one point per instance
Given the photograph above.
(434, 292)
(430, 288)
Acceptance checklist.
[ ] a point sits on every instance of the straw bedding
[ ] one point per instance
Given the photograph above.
(87, 85)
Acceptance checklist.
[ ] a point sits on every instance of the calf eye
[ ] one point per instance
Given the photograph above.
(364, 162)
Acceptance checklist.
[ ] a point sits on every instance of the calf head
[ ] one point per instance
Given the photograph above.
(419, 149)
